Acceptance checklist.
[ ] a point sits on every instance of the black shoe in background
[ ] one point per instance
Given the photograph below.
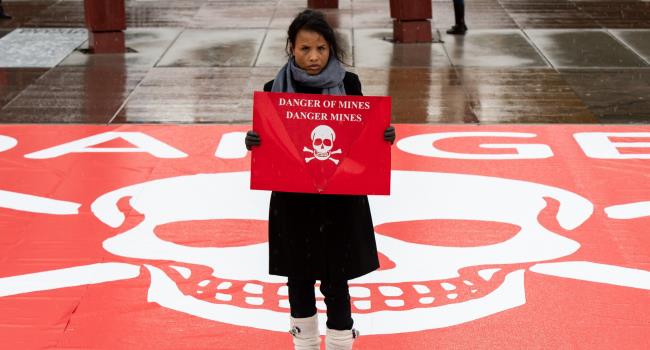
(457, 30)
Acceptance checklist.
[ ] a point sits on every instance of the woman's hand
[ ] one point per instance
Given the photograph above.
(389, 134)
(252, 140)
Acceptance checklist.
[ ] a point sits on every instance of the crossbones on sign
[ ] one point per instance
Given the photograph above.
(322, 141)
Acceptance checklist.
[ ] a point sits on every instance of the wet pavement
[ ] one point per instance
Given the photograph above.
(523, 61)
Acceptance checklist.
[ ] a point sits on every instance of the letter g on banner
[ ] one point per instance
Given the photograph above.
(424, 145)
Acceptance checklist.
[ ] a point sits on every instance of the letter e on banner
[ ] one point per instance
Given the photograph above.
(599, 144)
(424, 145)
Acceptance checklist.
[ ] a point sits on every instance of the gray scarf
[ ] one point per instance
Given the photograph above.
(329, 79)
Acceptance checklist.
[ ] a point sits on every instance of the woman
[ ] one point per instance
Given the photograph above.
(311, 236)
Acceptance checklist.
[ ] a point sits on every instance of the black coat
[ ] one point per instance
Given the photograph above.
(316, 236)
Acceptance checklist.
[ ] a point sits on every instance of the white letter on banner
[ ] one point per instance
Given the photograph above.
(37, 204)
(232, 146)
(423, 145)
(144, 143)
(7, 142)
(598, 145)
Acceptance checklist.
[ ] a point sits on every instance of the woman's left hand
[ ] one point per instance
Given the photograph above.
(389, 134)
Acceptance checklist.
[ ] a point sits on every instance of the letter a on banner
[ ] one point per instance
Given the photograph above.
(143, 142)
(321, 143)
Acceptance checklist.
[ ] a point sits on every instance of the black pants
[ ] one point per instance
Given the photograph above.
(302, 299)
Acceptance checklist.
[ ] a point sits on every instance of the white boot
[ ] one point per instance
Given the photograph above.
(340, 340)
(305, 333)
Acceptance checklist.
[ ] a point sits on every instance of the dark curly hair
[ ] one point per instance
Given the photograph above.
(314, 21)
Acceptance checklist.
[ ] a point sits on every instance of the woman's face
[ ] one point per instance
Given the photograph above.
(311, 51)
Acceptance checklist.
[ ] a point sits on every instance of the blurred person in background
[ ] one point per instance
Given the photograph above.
(459, 13)
(3, 15)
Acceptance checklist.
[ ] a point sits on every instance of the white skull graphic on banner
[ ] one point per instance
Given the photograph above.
(420, 195)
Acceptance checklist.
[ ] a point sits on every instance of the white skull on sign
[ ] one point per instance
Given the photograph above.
(322, 142)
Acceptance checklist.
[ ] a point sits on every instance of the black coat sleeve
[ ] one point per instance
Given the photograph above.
(352, 84)
(268, 86)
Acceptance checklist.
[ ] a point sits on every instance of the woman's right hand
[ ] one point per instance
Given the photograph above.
(252, 139)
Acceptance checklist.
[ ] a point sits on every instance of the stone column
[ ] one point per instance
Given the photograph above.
(323, 4)
(106, 22)
(412, 20)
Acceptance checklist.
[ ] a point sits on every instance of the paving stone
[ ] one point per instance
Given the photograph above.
(637, 40)
(15, 80)
(583, 49)
(214, 48)
(89, 94)
(146, 46)
(39, 47)
(507, 95)
(195, 95)
(618, 14)
(493, 48)
(613, 95)
(373, 48)
(548, 14)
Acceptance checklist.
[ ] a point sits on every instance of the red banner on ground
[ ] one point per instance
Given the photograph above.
(321, 143)
(493, 237)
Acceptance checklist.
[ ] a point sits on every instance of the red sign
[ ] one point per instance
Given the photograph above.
(321, 143)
